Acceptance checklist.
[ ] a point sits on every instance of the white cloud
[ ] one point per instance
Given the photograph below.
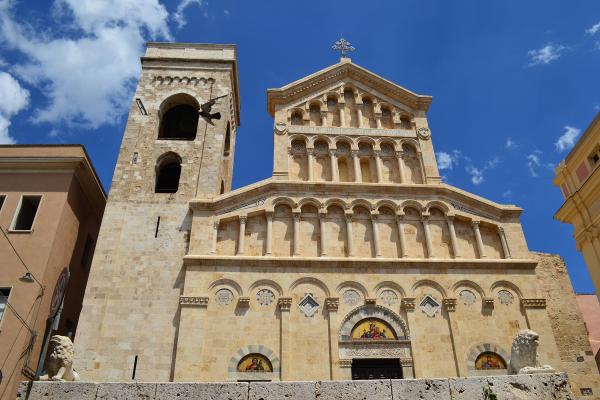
(445, 160)
(179, 16)
(510, 144)
(567, 140)
(476, 174)
(226, 12)
(87, 76)
(14, 99)
(535, 162)
(545, 55)
(594, 29)
(508, 194)
(597, 107)
(448, 161)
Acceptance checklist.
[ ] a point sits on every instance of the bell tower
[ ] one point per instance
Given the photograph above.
(178, 145)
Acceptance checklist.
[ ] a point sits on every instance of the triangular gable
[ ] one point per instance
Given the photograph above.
(345, 69)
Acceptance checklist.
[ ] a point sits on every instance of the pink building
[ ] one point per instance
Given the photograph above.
(590, 309)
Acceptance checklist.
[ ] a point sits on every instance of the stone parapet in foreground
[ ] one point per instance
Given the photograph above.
(508, 387)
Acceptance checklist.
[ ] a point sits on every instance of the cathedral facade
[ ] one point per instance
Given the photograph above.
(353, 261)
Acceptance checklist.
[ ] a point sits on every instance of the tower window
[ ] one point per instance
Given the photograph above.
(178, 117)
(26, 213)
(227, 145)
(4, 293)
(168, 172)
(86, 256)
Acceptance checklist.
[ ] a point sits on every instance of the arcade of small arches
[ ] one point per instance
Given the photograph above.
(365, 160)
(349, 108)
(309, 228)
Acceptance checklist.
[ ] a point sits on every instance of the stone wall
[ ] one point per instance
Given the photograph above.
(509, 387)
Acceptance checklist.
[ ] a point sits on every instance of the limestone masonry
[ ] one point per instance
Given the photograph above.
(353, 261)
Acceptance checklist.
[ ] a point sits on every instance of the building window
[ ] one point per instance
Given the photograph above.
(594, 158)
(86, 256)
(26, 213)
(4, 293)
(179, 118)
(168, 171)
(227, 146)
(2, 197)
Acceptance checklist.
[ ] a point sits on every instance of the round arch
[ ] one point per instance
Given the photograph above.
(266, 352)
(373, 311)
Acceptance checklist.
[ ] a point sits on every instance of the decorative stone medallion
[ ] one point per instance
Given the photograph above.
(224, 297)
(505, 297)
(351, 297)
(280, 128)
(388, 297)
(424, 133)
(308, 305)
(265, 297)
(467, 297)
(429, 306)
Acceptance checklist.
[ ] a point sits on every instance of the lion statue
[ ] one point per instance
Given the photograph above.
(524, 356)
(60, 361)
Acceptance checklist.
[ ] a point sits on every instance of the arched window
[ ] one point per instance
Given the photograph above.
(387, 120)
(227, 145)
(405, 122)
(489, 360)
(179, 118)
(168, 171)
(297, 118)
(315, 114)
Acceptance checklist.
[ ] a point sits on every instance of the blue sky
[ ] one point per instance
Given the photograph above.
(514, 83)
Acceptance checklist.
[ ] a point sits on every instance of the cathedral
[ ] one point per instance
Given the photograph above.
(353, 261)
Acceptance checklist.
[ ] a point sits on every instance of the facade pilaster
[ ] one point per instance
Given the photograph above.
(189, 338)
(479, 241)
(285, 305)
(242, 236)
(269, 246)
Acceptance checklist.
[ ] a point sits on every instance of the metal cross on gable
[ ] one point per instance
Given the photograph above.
(343, 46)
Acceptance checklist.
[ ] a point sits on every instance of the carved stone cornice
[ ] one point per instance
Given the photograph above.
(332, 303)
(346, 363)
(488, 302)
(408, 303)
(284, 303)
(193, 301)
(533, 303)
(406, 362)
(243, 302)
(370, 301)
(449, 304)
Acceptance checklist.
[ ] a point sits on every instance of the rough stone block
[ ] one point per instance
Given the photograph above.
(49, 390)
(422, 389)
(130, 391)
(282, 390)
(202, 391)
(354, 390)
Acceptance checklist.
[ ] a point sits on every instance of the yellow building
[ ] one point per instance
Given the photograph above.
(354, 260)
(579, 181)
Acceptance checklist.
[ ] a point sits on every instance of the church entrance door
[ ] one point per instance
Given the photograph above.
(381, 368)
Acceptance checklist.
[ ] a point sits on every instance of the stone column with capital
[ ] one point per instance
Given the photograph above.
(285, 305)
(359, 115)
(189, 338)
(311, 164)
(335, 173)
(342, 116)
(323, 118)
(349, 240)
(376, 241)
(402, 236)
(504, 242)
(356, 160)
(215, 237)
(296, 216)
(408, 306)
(428, 241)
(332, 304)
(242, 236)
(480, 249)
(322, 234)
(401, 167)
(450, 307)
(378, 169)
(269, 246)
(453, 240)
(378, 120)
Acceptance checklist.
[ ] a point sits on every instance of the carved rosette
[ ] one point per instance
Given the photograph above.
(193, 301)
(533, 303)
(424, 133)
(281, 128)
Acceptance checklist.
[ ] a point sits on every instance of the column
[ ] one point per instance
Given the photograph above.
(285, 304)
(323, 118)
(242, 236)
(359, 115)
(453, 241)
(378, 120)
(269, 215)
(423, 172)
(296, 234)
(475, 225)
(450, 307)
(425, 222)
(332, 304)
(408, 305)
(400, 157)
(215, 237)
(322, 216)
(342, 117)
(335, 173)
(376, 242)
(505, 248)
(357, 173)
(189, 338)
(378, 168)
(401, 236)
(349, 242)
(311, 163)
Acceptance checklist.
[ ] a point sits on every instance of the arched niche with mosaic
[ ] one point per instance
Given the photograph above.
(254, 363)
(373, 329)
(382, 317)
(487, 359)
